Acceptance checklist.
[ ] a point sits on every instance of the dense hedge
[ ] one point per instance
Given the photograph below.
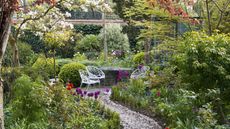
(88, 29)
(70, 71)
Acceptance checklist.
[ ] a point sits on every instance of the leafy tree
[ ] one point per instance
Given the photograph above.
(56, 39)
(156, 18)
(90, 45)
(116, 40)
(141, 14)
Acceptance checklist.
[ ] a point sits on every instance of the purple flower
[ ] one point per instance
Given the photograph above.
(107, 90)
(96, 96)
(90, 94)
(97, 93)
(140, 66)
(79, 91)
(85, 92)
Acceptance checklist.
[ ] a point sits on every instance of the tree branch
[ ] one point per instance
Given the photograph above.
(217, 6)
(221, 15)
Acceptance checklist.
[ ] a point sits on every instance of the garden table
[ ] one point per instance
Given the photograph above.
(115, 74)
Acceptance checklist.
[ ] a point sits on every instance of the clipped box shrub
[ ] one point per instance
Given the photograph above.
(70, 71)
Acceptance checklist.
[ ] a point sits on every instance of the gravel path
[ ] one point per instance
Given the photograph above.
(130, 119)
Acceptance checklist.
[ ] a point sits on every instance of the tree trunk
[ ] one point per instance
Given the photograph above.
(16, 62)
(209, 19)
(5, 28)
(147, 48)
(54, 65)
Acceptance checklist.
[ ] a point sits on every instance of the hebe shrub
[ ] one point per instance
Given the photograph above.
(70, 71)
(139, 58)
(45, 66)
(204, 61)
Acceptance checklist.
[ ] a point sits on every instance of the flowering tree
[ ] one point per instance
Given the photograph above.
(7, 9)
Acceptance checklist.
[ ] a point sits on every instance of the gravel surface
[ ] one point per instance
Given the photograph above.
(130, 119)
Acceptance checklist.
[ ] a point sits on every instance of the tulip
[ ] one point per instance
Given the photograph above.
(158, 93)
(90, 94)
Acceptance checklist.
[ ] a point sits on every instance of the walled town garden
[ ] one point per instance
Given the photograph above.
(165, 65)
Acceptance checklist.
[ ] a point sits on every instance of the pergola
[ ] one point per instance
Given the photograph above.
(95, 21)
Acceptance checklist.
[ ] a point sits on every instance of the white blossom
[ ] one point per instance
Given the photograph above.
(67, 14)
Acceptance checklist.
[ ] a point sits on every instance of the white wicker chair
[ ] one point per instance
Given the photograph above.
(85, 78)
(140, 72)
(95, 73)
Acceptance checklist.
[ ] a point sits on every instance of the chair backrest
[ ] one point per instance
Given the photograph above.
(94, 71)
(140, 72)
(84, 76)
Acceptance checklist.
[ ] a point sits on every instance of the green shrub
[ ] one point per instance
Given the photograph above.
(70, 71)
(204, 61)
(79, 57)
(27, 102)
(89, 45)
(137, 87)
(139, 58)
(45, 66)
(25, 56)
(116, 93)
